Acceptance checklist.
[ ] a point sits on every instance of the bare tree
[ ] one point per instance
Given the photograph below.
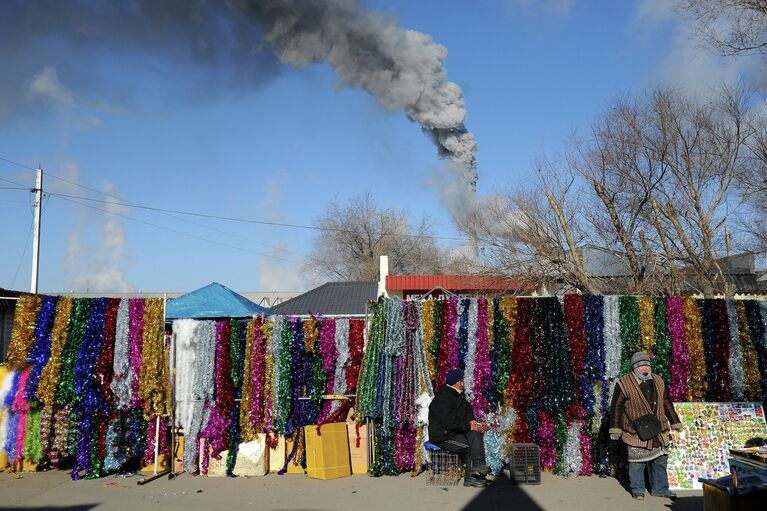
(653, 186)
(733, 27)
(354, 235)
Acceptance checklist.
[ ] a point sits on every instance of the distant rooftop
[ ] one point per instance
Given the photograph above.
(331, 299)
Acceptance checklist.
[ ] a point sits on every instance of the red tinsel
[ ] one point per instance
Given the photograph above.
(521, 357)
(104, 365)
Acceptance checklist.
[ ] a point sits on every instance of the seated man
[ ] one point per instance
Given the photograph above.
(452, 428)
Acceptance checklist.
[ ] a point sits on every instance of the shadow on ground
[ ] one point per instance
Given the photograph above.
(686, 504)
(502, 494)
(76, 507)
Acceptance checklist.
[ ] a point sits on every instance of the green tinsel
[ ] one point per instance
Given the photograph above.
(65, 394)
(367, 387)
(376, 466)
(97, 462)
(630, 331)
(662, 347)
(72, 433)
(284, 384)
(560, 437)
(33, 450)
(434, 346)
(235, 353)
(319, 380)
(502, 348)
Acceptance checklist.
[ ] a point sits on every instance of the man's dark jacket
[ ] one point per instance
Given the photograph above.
(449, 413)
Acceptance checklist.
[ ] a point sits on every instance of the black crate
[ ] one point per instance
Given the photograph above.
(525, 463)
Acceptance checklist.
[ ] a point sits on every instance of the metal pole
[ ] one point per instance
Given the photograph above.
(36, 242)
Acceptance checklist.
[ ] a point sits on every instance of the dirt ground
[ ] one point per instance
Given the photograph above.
(55, 491)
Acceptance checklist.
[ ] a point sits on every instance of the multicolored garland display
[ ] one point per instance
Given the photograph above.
(541, 369)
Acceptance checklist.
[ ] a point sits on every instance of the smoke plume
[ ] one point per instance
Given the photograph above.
(403, 69)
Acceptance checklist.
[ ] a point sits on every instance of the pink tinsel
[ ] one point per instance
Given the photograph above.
(329, 356)
(136, 330)
(21, 406)
(680, 363)
(547, 442)
(585, 453)
(452, 338)
(482, 371)
(405, 448)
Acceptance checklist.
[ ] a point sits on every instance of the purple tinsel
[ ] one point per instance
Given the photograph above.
(41, 349)
(680, 362)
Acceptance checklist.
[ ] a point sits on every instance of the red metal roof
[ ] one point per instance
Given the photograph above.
(453, 283)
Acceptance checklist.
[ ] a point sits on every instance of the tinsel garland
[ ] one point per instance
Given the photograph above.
(23, 334)
(216, 432)
(6, 382)
(273, 371)
(81, 309)
(586, 460)
(46, 430)
(574, 318)
(20, 408)
(408, 386)
(756, 329)
(259, 384)
(295, 415)
(445, 325)
(680, 361)
(709, 355)
(87, 392)
(284, 388)
(482, 370)
(60, 437)
(49, 378)
(121, 378)
(246, 406)
(696, 387)
(395, 329)
(405, 447)
(661, 348)
(452, 334)
(466, 335)
(721, 327)
(612, 332)
(629, 329)
(560, 441)
(427, 327)
(342, 349)
(203, 391)
(367, 388)
(423, 381)
(547, 441)
(736, 353)
(521, 362)
(504, 321)
(594, 365)
(496, 438)
(572, 455)
(40, 350)
(558, 384)
(105, 362)
(750, 362)
(136, 330)
(154, 387)
(467, 342)
(329, 354)
(12, 418)
(646, 324)
(186, 340)
(236, 355)
(356, 344)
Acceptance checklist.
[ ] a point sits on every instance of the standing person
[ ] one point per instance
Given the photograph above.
(452, 428)
(641, 415)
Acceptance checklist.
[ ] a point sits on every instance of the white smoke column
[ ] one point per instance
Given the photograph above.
(403, 69)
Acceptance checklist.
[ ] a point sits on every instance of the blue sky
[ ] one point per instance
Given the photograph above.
(277, 143)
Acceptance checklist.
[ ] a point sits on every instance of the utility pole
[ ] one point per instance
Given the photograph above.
(38, 189)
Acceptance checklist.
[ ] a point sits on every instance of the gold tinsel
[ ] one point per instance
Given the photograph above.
(417, 469)
(247, 431)
(299, 437)
(753, 391)
(49, 378)
(266, 332)
(427, 322)
(311, 334)
(23, 335)
(696, 385)
(647, 323)
(154, 387)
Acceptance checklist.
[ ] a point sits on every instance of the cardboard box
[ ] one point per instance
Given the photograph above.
(327, 454)
(277, 456)
(359, 455)
(252, 460)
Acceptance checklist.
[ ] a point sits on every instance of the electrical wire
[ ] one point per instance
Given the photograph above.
(193, 236)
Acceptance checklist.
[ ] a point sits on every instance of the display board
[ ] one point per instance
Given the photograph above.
(709, 430)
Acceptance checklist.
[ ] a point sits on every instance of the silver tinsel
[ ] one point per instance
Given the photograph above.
(736, 353)
(121, 382)
(421, 369)
(572, 459)
(203, 389)
(612, 338)
(185, 342)
(394, 338)
(342, 347)
(471, 352)
(496, 449)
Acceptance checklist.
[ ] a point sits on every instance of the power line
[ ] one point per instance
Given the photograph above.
(13, 188)
(20, 185)
(193, 236)
(248, 220)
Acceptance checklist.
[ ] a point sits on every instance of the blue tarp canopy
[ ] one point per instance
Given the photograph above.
(212, 301)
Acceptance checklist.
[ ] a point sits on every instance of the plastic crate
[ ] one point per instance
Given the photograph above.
(525, 463)
(445, 467)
